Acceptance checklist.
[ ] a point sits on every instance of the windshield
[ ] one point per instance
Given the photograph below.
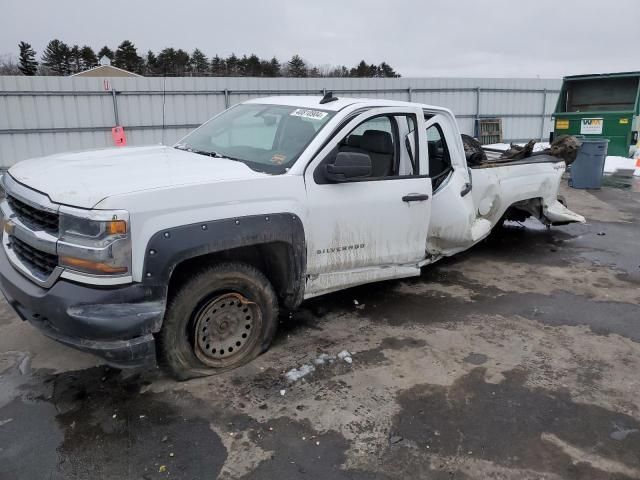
(268, 138)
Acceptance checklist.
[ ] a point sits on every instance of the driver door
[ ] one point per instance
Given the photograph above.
(375, 227)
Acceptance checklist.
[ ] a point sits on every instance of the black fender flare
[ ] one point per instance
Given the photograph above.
(169, 247)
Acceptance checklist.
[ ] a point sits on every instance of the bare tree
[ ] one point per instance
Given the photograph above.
(8, 65)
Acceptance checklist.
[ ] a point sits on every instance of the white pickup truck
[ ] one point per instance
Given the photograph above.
(185, 254)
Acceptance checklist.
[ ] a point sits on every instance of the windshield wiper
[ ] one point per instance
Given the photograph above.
(187, 148)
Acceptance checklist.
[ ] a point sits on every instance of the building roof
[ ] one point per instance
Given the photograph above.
(603, 75)
(106, 71)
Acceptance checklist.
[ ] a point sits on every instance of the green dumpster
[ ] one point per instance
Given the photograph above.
(601, 106)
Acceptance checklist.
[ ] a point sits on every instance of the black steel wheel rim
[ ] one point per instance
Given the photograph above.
(225, 328)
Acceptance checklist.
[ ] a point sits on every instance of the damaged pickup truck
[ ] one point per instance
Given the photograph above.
(185, 254)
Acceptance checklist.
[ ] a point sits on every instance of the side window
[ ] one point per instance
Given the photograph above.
(375, 137)
(439, 159)
(408, 152)
(390, 143)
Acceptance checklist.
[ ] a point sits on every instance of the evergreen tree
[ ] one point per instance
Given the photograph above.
(181, 62)
(386, 71)
(361, 70)
(151, 64)
(252, 66)
(199, 62)
(275, 69)
(127, 57)
(106, 52)
(88, 57)
(232, 65)
(297, 67)
(75, 59)
(166, 61)
(56, 57)
(218, 67)
(28, 64)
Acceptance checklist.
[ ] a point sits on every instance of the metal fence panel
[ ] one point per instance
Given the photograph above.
(45, 115)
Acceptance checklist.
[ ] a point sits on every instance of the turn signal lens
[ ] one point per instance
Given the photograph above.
(117, 227)
(91, 267)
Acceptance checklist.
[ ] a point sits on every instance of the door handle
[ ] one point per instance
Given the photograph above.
(466, 189)
(415, 197)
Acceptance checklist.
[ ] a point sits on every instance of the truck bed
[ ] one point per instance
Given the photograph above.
(493, 159)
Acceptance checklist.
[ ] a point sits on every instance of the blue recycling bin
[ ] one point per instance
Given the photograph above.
(588, 168)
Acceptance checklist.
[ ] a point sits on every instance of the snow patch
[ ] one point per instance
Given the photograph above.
(345, 355)
(296, 374)
(620, 166)
(324, 358)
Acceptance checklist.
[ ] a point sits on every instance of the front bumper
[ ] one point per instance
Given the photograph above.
(114, 323)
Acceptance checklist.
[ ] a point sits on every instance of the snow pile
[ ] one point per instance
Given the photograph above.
(619, 165)
(297, 373)
(345, 355)
(324, 358)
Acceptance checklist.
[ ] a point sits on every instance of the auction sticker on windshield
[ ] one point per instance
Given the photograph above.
(306, 113)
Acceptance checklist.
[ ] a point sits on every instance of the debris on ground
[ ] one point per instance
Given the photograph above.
(395, 439)
(324, 358)
(162, 469)
(297, 373)
(346, 356)
(282, 392)
(358, 305)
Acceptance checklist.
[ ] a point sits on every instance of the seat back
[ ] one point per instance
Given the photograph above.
(379, 146)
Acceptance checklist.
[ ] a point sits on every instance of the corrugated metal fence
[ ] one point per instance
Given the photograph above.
(45, 115)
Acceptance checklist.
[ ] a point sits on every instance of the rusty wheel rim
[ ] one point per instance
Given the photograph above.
(225, 328)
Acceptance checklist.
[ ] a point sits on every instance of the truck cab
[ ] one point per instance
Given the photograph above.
(186, 254)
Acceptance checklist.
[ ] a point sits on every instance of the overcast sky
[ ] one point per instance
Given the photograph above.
(470, 38)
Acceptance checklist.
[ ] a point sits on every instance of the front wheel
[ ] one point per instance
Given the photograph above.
(220, 319)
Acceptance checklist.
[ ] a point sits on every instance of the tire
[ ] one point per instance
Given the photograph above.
(200, 338)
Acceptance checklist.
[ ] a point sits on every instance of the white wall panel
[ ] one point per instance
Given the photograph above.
(45, 115)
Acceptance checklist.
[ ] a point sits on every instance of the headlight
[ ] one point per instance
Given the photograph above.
(95, 242)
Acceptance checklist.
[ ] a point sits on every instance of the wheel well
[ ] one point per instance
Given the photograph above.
(520, 211)
(275, 260)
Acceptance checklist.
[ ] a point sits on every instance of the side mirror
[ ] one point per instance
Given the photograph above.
(348, 166)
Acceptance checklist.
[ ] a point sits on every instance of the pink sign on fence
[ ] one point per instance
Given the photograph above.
(119, 137)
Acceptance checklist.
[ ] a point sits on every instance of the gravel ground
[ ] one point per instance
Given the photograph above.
(518, 359)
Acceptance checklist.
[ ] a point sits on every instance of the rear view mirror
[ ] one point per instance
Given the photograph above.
(348, 166)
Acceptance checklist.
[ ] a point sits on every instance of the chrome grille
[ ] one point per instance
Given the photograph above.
(34, 217)
(38, 262)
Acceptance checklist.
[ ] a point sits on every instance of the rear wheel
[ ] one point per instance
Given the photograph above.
(220, 319)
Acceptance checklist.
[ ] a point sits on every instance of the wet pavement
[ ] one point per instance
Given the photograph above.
(518, 359)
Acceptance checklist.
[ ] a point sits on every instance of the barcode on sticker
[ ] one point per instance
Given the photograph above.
(306, 113)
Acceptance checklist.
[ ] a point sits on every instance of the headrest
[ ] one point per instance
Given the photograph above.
(377, 141)
(354, 141)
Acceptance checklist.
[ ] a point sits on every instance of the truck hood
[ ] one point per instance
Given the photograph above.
(82, 179)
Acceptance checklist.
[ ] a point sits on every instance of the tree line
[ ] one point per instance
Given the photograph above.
(58, 58)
